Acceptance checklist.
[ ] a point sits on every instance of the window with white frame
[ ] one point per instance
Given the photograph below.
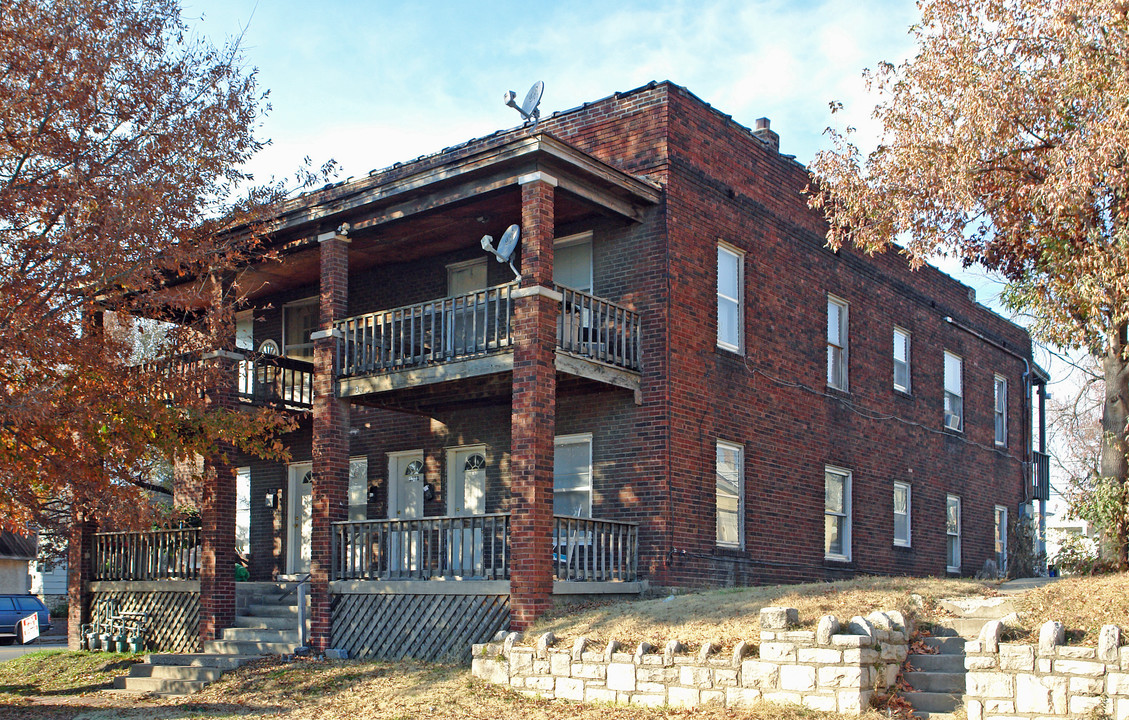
(952, 531)
(901, 359)
(837, 514)
(299, 320)
(730, 491)
(836, 343)
(902, 493)
(358, 488)
(730, 281)
(954, 392)
(572, 475)
(1001, 411)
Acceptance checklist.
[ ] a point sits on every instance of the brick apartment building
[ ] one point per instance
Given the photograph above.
(682, 360)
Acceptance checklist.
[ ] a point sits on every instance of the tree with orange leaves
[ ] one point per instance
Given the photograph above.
(121, 139)
(1006, 143)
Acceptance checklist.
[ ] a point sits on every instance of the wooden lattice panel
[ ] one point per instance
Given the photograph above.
(426, 627)
(174, 617)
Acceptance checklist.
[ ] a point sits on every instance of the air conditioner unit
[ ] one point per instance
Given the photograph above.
(952, 421)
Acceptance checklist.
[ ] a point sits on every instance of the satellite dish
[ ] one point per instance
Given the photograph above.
(506, 247)
(530, 110)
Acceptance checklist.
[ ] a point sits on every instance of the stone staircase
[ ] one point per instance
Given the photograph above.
(938, 679)
(266, 623)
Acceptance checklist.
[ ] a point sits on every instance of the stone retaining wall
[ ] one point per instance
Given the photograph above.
(1009, 681)
(832, 668)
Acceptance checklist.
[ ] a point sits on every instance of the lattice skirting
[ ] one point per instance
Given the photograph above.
(174, 617)
(426, 627)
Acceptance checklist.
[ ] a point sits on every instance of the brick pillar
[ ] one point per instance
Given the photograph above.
(330, 492)
(79, 573)
(533, 418)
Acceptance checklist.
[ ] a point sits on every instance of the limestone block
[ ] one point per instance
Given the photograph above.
(521, 661)
(851, 641)
(979, 662)
(880, 621)
(570, 688)
(593, 670)
(1121, 709)
(694, 676)
(1077, 653)
(596, 693)
(683, 697)
(578, 647)
(725, 677)
(778, 618)
(823, 656)
(621, 657)
(560, 664)
(781, 697)
(990, 685)
(713, 697)
(1041, 695)
(650, 687)
(541, 667)
(610, 650)
(999, 707)
(827, 703)
(1017, 658)
(540, 682)
(990, 636)
(1117, 684)
(1043, 665)
(647, 699)
(827, 626)
(803, 637)
(621, 676)
(1124, 652)
(509, 642)
(741, 697)
(1082, 705)
(899, 621)
(656, 674)
(517, 682)
(653, 660)
(672, 648)
(491, 670)
(896, 653)
(839, 676)
(768, 636)
(740, 650)
(797, 677)
(641, 652)
(591, 656)
(854, 702)
(760, 675)
(1085, 686)
(1080, 667)
(1109, 639)
(973, 647)
(864, 656)
(1051, 635)
(705, 651)
(861, 626)
(778, 651)
(545, 642)
(891, 675)
(975, 709)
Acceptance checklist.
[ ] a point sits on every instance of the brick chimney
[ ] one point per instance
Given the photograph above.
(766, 135)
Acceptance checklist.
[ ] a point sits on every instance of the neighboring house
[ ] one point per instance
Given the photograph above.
(16, 551)
(1059, 527)
(685, 387)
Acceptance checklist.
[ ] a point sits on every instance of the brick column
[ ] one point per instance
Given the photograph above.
(79, 573)
(330, 492)
(533, 418)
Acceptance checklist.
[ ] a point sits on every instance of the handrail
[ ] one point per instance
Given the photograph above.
(598, 329)
(172, 554)
(302, 585)
(595, 550)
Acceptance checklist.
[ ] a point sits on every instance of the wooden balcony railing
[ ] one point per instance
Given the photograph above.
(153, 555)
(275, 381)
(454, 328)
(598, 329)
(592, 550)
(1041, 476)
(470, 547)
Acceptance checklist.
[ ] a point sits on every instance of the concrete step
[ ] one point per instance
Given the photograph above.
(266, 622)
(159, 686)
(936, 682)
(176, 672)
(260, 610)
(952, 645)
(223, 662)
(226, 647)
(934, 702)
(948, 663)
(242, 634)
(968, 628)
(992, 608)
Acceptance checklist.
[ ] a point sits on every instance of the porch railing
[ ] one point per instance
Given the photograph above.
(587, 549)
(152, 555)
(470, 547)
(451, 328)
(1041, 475)
(599, 329)
(276, 381)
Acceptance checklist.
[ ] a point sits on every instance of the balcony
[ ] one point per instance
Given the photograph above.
(1041, 476)
(260, 380)
(471, 335)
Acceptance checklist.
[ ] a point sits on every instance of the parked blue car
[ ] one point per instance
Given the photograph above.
(14, 608)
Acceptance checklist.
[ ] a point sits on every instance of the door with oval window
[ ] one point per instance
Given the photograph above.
(406, 478)
(466, 498)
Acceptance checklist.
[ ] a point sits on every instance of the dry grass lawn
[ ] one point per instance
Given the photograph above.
(1082, 604)
(730, 616)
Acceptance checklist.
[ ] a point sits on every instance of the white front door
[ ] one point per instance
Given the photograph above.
(466, 496)
(405, 501)
(300, 518)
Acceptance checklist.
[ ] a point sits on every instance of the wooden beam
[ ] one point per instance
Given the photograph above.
(601, 372)
(422, 587)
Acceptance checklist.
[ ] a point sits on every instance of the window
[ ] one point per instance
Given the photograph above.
(358, 488)
(836, 343)
(902, 514)
(954, 393)
(243, 511)
(730, 326)
(299, 319)
(952, 530)
(1001, 411)
(837, 514)
(901, 360)
(572, 475)
(730, 488)
(1001, 540)
(572, 262)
